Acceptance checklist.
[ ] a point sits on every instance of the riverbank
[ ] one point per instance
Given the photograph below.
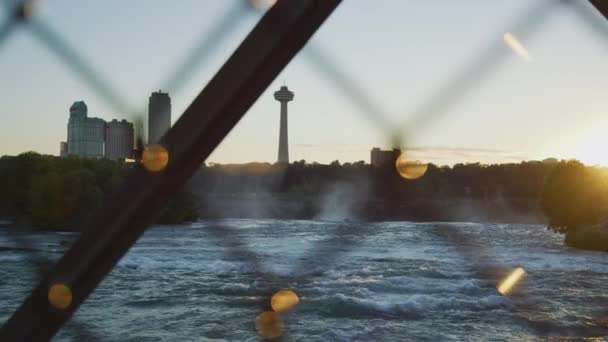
(589, 238)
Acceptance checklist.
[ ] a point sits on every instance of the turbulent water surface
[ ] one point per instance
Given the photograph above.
(393, 281)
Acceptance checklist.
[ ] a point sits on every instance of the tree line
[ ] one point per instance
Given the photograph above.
(522, 180)
(42, 191)
(50, 192)
(570, 194)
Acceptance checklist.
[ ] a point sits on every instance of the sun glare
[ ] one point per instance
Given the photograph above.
(591, 147)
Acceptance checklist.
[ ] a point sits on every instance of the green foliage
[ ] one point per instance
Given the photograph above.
(181, 209)
(48, 205)
(510, 181)
(63, 193)
(380, 193)
(16, 174)
(569, 193)
(589, 237)
(53, 192)
(574, 196)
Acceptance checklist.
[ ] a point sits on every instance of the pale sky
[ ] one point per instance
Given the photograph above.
(546, 98)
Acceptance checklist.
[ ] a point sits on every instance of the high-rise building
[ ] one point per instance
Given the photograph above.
(119, 139)
(85, 135)
(159, 116)
(381, 158)
(283, 95)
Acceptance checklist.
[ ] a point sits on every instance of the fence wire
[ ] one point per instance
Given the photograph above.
(344, 237)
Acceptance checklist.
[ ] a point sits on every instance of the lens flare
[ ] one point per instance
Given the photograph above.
(284, 301)
(507, 284)
(269, 324)
(155, 158)
(410, 169)
(516, 46)
(60, 296)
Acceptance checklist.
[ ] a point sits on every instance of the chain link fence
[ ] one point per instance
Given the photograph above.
(278, 37)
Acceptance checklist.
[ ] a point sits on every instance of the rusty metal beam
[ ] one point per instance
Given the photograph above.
(275, 40)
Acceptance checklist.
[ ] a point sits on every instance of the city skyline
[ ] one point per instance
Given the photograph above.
(91, 137)
(116, 136)
(548, 104)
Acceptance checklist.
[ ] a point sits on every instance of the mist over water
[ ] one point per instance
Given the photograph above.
(394, 281)
(338, 201)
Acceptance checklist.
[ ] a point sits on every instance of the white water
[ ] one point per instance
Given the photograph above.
(393, 281)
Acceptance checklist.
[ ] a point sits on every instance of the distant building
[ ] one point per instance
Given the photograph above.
(384, 157)
(283, 95)
(85, 135)
(159, 116)
(63, 149)
(119, 140)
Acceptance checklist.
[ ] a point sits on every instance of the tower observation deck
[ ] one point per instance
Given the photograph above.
(283, 95)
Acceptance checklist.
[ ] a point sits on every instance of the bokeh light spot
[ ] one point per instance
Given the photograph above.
(269, 324)
(155, 158)
(284, 300)
(60, 296)
(516, 46)
(410, 169)
(507, 284)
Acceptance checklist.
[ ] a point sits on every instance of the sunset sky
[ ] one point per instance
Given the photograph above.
(541, 95)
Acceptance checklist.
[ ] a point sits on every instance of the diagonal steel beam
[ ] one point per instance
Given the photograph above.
(275, 40)
(589, 16)
(601, 5)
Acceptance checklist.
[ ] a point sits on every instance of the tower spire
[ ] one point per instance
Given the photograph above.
(283, 95)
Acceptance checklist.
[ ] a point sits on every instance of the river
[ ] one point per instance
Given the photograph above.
(396, 281)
